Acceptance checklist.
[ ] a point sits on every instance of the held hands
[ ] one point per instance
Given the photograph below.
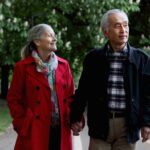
(76, 128)
(145, 133)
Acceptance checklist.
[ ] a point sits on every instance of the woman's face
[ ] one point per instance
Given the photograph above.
(47, 42)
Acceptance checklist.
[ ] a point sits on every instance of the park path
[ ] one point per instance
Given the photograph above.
(7, 141)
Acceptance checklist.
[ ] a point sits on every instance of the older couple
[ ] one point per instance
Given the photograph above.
(114, 85)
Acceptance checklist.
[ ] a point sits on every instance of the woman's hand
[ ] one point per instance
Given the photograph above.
(145, 133)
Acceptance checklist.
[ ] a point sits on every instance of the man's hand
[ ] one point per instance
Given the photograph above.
(145, 133)
(76, 128)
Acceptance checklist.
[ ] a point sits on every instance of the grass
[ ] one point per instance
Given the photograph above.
(5, 118)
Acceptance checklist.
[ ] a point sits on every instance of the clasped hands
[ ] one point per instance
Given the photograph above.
(76, 128)
(145, 133)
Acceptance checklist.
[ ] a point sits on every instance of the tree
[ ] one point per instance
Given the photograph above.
(76, 23)
(12, 30)
(140, 33)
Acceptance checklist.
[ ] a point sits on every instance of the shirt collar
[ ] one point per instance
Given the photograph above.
(124, 51)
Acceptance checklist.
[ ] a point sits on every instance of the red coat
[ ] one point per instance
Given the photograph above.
(30, 105)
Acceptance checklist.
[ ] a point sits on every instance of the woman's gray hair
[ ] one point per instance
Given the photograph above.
(34, 33)
(105, 18)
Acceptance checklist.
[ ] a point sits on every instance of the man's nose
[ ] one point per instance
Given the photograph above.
(124, 28)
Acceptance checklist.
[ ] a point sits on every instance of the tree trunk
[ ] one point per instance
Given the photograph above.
(4, 80)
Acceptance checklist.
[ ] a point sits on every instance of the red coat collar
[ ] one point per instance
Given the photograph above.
(30, 60)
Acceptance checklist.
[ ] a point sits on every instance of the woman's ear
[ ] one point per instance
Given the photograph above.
(37, 42)
(105, 33)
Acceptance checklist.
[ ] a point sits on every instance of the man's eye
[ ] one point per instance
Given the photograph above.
(125, 25)
(117, 25)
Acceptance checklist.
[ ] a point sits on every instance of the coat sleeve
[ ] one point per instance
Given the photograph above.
(69, 95)
(81, 94)
(15, 96)
(146, 95)
(70, 84)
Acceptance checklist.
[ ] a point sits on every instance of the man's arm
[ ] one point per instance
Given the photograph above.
(80, 99)
(145, 123)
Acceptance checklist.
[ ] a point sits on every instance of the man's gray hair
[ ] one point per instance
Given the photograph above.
(105, 18)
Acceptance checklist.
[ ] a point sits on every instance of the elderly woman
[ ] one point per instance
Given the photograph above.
(40, 94)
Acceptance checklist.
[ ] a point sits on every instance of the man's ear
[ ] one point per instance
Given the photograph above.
(37, 42)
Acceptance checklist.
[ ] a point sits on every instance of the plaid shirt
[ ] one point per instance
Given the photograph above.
(115, 89)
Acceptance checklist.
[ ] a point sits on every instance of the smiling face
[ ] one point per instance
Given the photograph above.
(118, 30)
(47, 41)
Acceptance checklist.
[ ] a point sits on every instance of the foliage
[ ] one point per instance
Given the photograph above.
(140, 33)
(12, 30)
(76, 23)
(5, 118)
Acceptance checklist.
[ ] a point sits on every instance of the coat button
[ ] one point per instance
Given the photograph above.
(64, 115)
(38, 102)
(37, 87)
(65, 100)
(64, 86)
(37, 117)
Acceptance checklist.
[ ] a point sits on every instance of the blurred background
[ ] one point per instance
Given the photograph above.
(76, 23)
(77, 26)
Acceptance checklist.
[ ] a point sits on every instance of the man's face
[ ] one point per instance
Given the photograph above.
(118, 30)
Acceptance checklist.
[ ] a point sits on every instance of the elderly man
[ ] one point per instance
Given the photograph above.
(115, 85)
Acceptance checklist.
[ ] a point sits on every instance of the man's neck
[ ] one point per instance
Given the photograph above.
(117, 48)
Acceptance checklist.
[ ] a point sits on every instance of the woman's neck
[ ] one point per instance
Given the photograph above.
(44, 55)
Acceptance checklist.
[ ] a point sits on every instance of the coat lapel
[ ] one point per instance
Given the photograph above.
(31, 70)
